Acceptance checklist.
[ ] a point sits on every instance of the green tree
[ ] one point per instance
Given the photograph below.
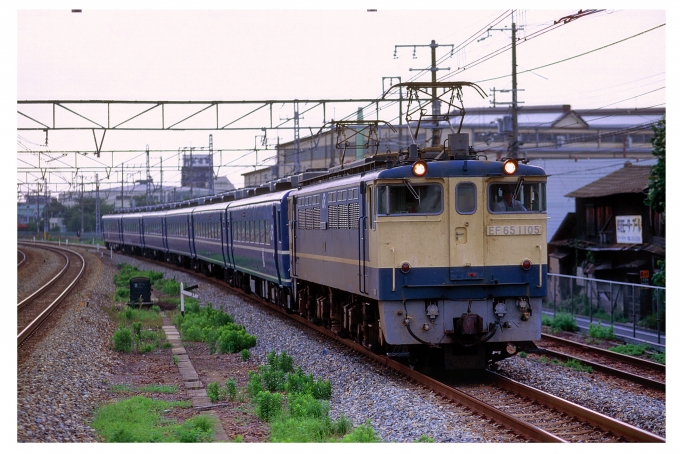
(656, 197)
(72, 217)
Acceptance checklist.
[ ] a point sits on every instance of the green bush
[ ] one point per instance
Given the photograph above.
(362, 434)
(213, 391)
(230, 385)
(342, 426)
(306, 406)
(122, 340)
(600, 332)
(198, 429)
(245, 355)
(561, 322)
(254, 386)
(169, 287)
(268, 405)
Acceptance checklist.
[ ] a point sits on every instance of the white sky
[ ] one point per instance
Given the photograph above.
(286, 50)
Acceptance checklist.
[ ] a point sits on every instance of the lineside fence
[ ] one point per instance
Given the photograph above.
(639, 307)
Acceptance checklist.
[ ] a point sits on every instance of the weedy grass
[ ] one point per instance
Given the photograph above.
(214, 327)
(601, 332)
(560, 322)
(640, 350)
(139, 420)
(160, 389)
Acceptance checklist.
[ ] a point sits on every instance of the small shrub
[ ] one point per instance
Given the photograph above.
(306, 406)
(169, 287)
(600, 332)
(245, 355)
(342, 426)
(659, 357)
(321, 389)
(362, 434)
(231, 388)
(630, 349)
(254, 386)
(561, 322)
(268, 405)
(122, 340)
(272, 379)
(198, 429)
(213, 391)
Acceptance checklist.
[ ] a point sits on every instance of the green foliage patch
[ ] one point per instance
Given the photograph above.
(560, 322)
(214, 327)
(139, 420)
(600, 332)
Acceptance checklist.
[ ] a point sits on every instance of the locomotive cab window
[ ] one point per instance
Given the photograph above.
(517, 197)
(466, 198)
(409, 199)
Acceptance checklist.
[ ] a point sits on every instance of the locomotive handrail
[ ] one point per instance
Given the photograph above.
(540, 266)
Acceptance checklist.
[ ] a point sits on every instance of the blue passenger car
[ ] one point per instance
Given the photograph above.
(257, 243)
(154, 233)
(112, 230)
(178, 235)
(209, 228)
(133, 228)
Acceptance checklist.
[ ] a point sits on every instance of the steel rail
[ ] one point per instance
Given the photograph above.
(23, 260)
(31, 327)
(607, 353)
(650, 383)
(604, 422)
(45, 287)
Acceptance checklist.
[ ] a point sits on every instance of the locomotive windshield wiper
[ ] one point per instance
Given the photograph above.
(412, 189)
(518, 188)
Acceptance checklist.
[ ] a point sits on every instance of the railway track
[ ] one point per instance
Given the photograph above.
(21, 258)
(636, 370)
(33, 310)
(531, 414)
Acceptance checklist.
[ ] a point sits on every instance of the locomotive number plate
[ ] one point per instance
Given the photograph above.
(513, 230)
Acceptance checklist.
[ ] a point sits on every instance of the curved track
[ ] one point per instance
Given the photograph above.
(33, 310)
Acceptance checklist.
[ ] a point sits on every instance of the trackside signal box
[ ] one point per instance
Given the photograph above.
(140, 290)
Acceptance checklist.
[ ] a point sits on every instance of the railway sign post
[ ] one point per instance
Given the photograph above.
(185, 291)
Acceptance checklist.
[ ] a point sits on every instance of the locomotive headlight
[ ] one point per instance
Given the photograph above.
(510, 167)
(419, 168)
(526, 264)
(405, 267)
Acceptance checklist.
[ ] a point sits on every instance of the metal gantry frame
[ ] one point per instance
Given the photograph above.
(101, 116)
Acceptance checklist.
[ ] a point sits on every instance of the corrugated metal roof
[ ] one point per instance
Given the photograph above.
(628, 180)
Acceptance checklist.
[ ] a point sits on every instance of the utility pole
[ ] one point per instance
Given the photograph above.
(513, 149)
(296, 136)
(513, 135)
(82, 207)
(148, 176)
(211, 182)
(97, 224)
(436, 132)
